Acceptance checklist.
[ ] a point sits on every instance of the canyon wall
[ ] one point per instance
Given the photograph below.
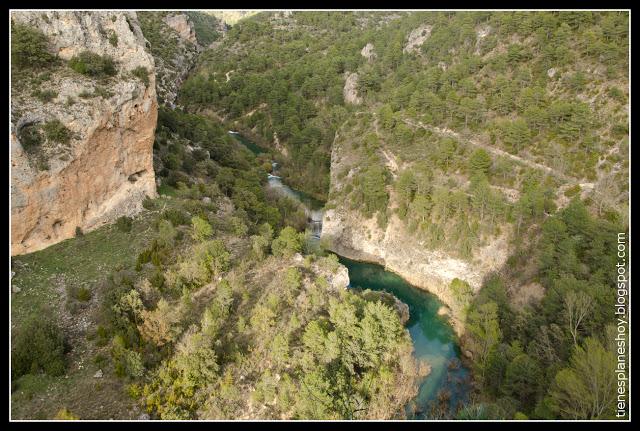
(105, 170)
(172, 41)
(348, 233)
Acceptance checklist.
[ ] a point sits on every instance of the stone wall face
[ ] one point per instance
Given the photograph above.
(106, 170)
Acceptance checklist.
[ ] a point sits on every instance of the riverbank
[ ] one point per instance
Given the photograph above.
(416, 280)
(434, 327)
(447, 385)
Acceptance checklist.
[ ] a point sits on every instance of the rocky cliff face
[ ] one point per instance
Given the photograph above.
(173, 44)
(106, 168)
(416, 38)
(182, 25)
(351, 235)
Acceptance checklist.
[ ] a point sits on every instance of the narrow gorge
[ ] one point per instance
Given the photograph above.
(299, 215)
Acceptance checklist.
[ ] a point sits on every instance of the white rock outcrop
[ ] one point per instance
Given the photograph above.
(369, 52)
(417, 37)
(351, 235)
(182, 25)
(350, 91)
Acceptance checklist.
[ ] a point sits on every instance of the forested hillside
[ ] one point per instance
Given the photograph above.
(206, 305)
(466, 126)
(482, 156)
(550, 88)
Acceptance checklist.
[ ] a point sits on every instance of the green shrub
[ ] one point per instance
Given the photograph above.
(103, 336)
(201, 229)
(45, 96)
(287, 243)
(82, 294)
(41, 78)
(79, 232)
(176, 216)
(142, 74)
(55, 131)
(92, 64)
(166, 233)
(134, 391)
(113, 38)
(102, 92)
(30, 137)
(148, 203)
(572, 191)
(29, 47)
(65, 415)
(38, 347)
(127, 362)
(617, 94)
(99, 359)
(124, 224)
(462, 292)
(620, 130)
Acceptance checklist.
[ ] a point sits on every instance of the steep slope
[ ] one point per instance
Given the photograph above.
(81, 142)
(205, 292)
(395, 242)
(463, 131)
(175, 40)
(174, 46)
(440, 173)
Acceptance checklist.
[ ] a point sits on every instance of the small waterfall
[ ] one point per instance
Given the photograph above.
(315, 223)
(314, 214)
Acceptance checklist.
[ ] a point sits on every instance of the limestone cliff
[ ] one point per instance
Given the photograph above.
(173, 44)
(350, 91)
(348, 233)
(182, 25)
(105, 169)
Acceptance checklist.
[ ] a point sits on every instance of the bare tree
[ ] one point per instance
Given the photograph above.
(577, 305)
(606, 192)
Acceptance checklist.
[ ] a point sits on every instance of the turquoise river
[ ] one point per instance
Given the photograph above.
(446, 386)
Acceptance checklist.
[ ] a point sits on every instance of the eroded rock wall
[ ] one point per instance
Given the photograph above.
(182, 25)
(349, 234)
(173, 44)
(106, 169)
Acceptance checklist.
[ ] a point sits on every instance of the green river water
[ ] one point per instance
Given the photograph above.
(433, 338)
(447, 385)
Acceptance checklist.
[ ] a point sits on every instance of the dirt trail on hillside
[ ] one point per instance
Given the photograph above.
(493, 150)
